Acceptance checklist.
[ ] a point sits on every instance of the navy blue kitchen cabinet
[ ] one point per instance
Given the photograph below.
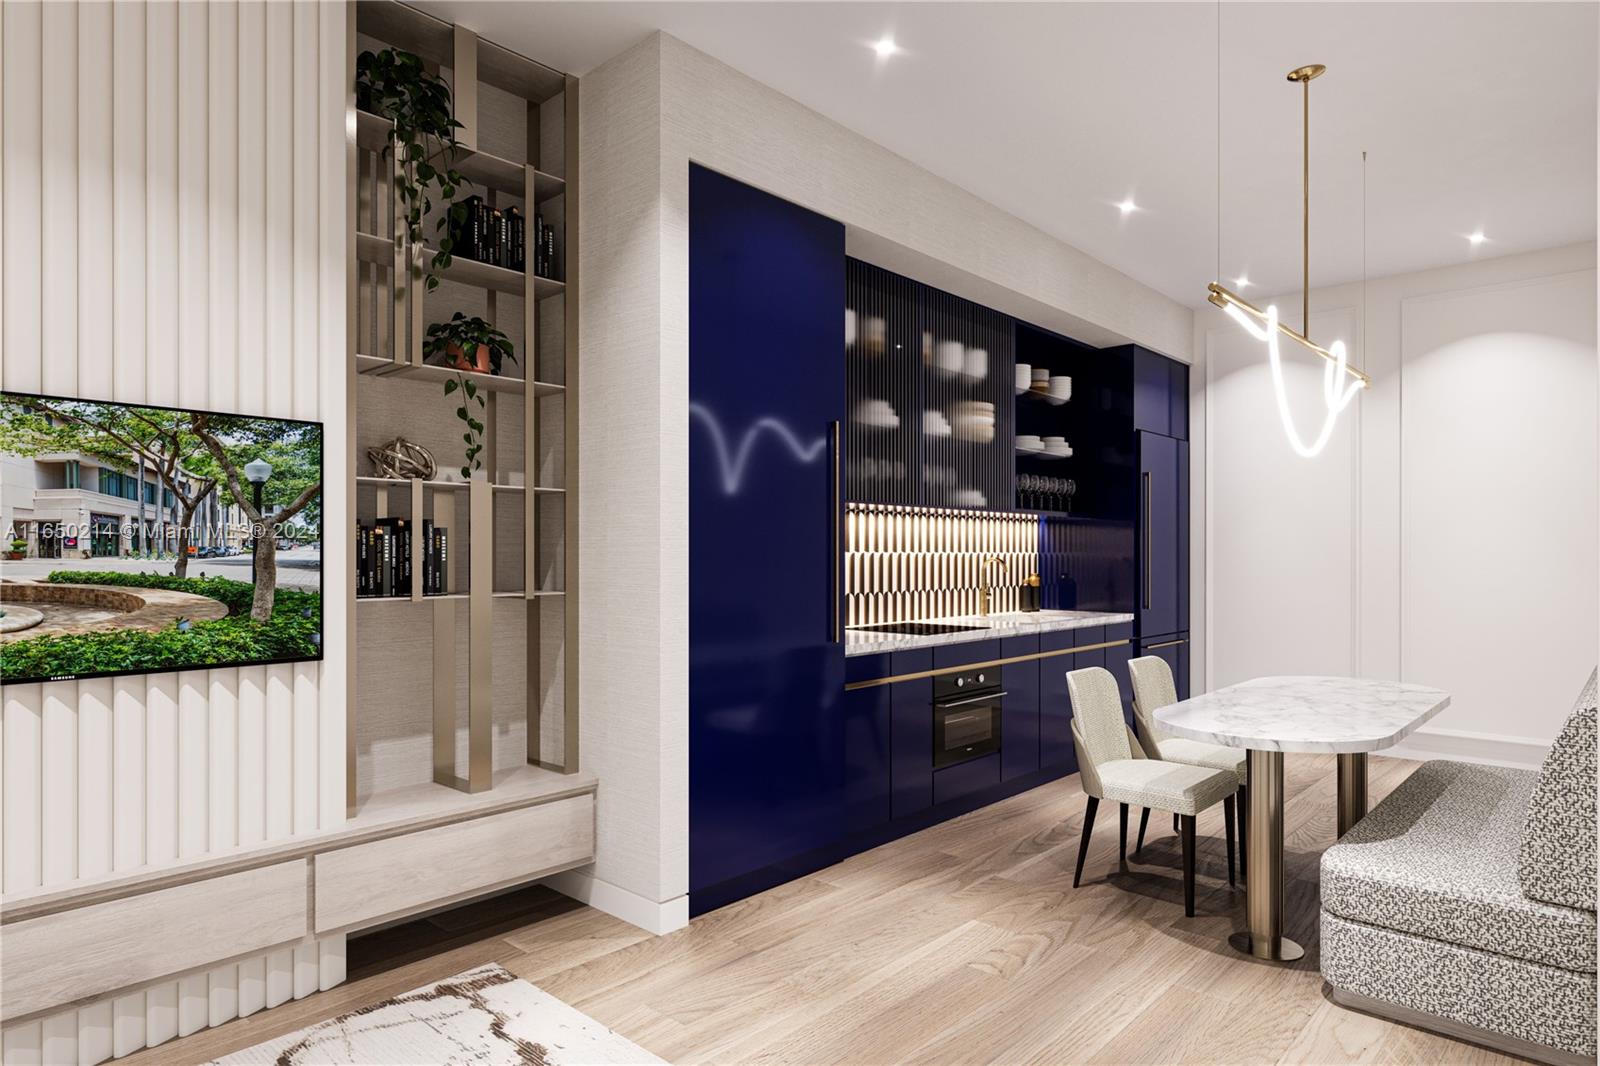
(1160, 394)
(767, 721)
(911, 733)
(1019, 709)
(1117, 659)
(1056, 749)
(1159, 517)
(1183, 536)
(865, 728)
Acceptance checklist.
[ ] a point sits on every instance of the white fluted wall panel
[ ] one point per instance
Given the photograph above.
(171, 175)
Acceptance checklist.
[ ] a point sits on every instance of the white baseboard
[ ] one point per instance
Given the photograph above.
(647, 914)
(1494, 749)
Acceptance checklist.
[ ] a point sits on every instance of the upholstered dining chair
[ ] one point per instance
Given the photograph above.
(1112, 766)
(1152, 690)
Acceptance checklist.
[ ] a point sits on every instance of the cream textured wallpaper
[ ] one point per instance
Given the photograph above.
(173, 233)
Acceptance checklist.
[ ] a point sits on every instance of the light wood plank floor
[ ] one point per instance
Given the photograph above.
(963, 944)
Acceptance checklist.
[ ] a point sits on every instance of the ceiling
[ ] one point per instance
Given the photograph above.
(1474, 117)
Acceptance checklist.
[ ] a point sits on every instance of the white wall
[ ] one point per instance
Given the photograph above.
(173, 233)
(1448, 534)
(645, 115)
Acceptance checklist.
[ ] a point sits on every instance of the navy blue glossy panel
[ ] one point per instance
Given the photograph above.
(911, 745)
(1152, 389)
(1120, 631)
(868, 667)
(766, 381)
(973, 651)
(1055, 707)
(866, 757)
(964, 779)
(1116, 661)
(1019, 715)
(1180, 399)
(1158, 534)
(1182, 619)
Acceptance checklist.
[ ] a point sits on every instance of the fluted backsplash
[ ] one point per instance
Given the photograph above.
(911, 563)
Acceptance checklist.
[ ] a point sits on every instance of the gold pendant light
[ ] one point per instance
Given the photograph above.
(1265, 325)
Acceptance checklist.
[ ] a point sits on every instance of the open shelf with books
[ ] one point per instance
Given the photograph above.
(482, 544)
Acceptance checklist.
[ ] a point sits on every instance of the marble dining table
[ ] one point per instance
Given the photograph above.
(1269, 716)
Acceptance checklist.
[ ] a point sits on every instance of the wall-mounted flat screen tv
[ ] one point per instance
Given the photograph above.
(140, 539)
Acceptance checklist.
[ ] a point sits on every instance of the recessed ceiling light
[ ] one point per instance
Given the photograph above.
(1242, 281)
(885, 47)
(1127, 207)
(1476, 239)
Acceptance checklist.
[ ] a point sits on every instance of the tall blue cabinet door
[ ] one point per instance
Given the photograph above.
(1182, 569)
(1019, 710)
(766, 662)
(1055, 706)
(1152, 392)
(1158, 534)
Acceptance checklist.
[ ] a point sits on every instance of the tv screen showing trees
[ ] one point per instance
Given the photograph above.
(142, 539)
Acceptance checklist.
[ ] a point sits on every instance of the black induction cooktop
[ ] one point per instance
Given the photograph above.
(917, 629)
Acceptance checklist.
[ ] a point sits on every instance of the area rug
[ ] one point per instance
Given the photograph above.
(484, 1017)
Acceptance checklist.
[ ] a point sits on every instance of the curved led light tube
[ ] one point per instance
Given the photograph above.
(1334, 400)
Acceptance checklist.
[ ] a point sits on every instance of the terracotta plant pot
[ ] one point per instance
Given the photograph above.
(459, 360)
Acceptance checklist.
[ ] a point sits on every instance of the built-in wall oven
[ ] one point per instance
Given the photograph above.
(966, 716)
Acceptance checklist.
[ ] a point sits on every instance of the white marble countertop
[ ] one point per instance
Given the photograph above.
(1313, 714)
(994, 627)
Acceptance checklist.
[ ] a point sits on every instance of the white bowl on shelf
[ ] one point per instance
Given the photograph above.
(1024, 377)
(935, 424)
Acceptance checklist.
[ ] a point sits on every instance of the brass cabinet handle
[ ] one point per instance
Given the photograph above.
(1149, 541)
(1168, 644)
(836, 574)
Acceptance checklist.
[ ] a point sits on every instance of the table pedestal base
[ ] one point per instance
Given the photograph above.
(1264, 937)
(1352, 789)
(1287, 950)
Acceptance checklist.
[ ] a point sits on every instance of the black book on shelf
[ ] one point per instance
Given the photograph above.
(361, 561)
(427, 557)
(401, 540)
(441, 538)
(483, 232)
(381, 557)
(516, 257)
(538, 246)
(502, 240)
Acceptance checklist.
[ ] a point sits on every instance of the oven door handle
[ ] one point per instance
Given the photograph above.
(947, 704)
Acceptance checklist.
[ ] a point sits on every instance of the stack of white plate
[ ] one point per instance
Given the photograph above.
(1029, 444)
(1056, 447)
(935, 424)
(876, 414)
(973, 420)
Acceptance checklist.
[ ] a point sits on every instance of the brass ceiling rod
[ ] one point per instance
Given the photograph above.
(1223, 297)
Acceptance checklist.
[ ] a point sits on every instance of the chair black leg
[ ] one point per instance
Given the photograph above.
(1175, 827)
(1227, 820)
(1187, 823)
(1243, 810)
(1088, 828)
(1144, 820)
(1122, 839)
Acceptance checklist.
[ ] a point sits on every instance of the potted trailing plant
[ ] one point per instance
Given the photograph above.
(395, 85)
(465, 343)
(468, 345)
(19, 549)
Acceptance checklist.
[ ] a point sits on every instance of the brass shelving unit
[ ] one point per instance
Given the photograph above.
(476, 69)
